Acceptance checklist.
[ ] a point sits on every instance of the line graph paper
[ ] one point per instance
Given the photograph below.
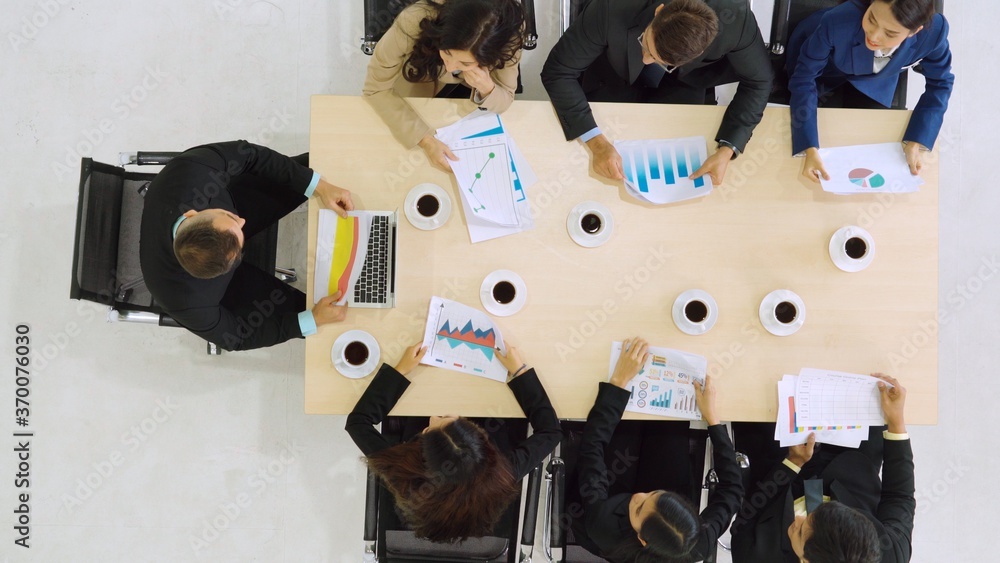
(832, 398)
(484, 178)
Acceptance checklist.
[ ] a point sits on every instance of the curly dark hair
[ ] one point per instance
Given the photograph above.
(492, 30)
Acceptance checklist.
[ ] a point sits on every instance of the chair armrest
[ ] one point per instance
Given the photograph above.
(557, 507)
(530, 28)
(371, 507)
(531, 506)
(154, 158)
(167, 320)
(779, 26)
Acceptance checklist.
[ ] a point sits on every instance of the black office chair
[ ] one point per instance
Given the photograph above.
(560, 545)
(787, 15)
(106, 246)
(379, 15)
(387, 539)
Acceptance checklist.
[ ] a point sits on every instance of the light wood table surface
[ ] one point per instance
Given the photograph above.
(766, 228)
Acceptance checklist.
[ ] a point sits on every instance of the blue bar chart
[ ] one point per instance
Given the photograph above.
(657, 390)
(657, 170)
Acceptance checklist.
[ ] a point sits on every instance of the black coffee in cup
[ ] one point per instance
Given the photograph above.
(856, 248)
(696, 311)
(786, 312)
(428, 205)
(591, 223)
(356, 353)
(504, 292)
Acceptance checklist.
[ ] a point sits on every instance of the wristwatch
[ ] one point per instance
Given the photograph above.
(722, 143)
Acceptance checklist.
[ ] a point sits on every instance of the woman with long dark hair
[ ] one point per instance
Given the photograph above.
(452, 480)
(852, 55)
(438, 48)
(658, 525)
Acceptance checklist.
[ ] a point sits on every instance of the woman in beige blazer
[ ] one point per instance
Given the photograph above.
(437, 43)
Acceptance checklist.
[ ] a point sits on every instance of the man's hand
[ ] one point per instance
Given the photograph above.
(914, 156)
(704, 397)
(893, 400)
(480, 79)
(607, 161)
(632, 359)
(437, 152)
(337, 199)
(715, 166)
(411, 357)
(813, 168)
(801, 454)
(327, 311)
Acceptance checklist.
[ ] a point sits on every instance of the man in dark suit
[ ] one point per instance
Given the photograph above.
(196, 215)
(832, 506)
(663, 51)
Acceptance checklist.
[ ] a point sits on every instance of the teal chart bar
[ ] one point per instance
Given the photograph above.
(657, 170)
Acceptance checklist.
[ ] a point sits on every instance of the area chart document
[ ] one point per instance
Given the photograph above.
(463, 339)
(664, 385)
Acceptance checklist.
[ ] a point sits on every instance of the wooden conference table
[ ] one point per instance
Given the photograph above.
(764, 229)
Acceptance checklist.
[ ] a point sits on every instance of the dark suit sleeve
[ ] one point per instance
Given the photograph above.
(234, 158)
(240, 328)
(757, 528)
(545, 433)
(928, 115)
(753, 67)
(728, 495)
(576, 50)
(372, 408)
(811, 60)
(898, 503)
(602, 420)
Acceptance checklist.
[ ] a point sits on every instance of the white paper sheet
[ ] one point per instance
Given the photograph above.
(664, 385)
(657, 170)
(833, 398)
(789, 432)
(462, 339)
(865, 169)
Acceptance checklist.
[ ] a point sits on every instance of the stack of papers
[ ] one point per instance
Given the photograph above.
(664, 385)
(868, 169)
(656, 171)
(838, 407)
(492, 175)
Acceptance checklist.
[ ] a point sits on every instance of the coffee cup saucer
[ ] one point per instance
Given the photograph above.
(687, 326)
(838, 253)
(503, 309)
(583, 238)
(351, 371)
(414, 216)
(770, 321)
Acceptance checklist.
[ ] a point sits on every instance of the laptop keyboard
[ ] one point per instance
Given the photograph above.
(371, 286)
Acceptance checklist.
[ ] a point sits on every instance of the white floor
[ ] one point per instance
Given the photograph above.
(146, 449)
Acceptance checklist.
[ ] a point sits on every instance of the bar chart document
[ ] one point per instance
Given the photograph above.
(790, 431)
(463, 339)
(664, 385)
(868, 169)
(657, 170)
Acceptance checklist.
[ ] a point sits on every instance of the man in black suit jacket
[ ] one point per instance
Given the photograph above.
(855, 517)
(666, 51)
(196, 214)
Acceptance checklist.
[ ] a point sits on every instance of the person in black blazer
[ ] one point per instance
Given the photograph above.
(659, 525)
(452, 479)
(853, 516)
(196, 215)
(666, 51)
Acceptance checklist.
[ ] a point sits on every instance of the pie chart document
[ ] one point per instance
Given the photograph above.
(863, 169)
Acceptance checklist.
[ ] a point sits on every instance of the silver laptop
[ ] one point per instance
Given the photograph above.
(376, 286)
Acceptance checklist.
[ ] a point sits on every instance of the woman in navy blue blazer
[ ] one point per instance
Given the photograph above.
(857, 50)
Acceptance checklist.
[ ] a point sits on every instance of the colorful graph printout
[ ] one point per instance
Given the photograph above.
(341, 246)
(789, 430)
(657, 170)
(463, 339)
(861, 169)
(663, 387)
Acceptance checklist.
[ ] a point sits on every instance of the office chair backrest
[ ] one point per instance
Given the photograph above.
(106, 249)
